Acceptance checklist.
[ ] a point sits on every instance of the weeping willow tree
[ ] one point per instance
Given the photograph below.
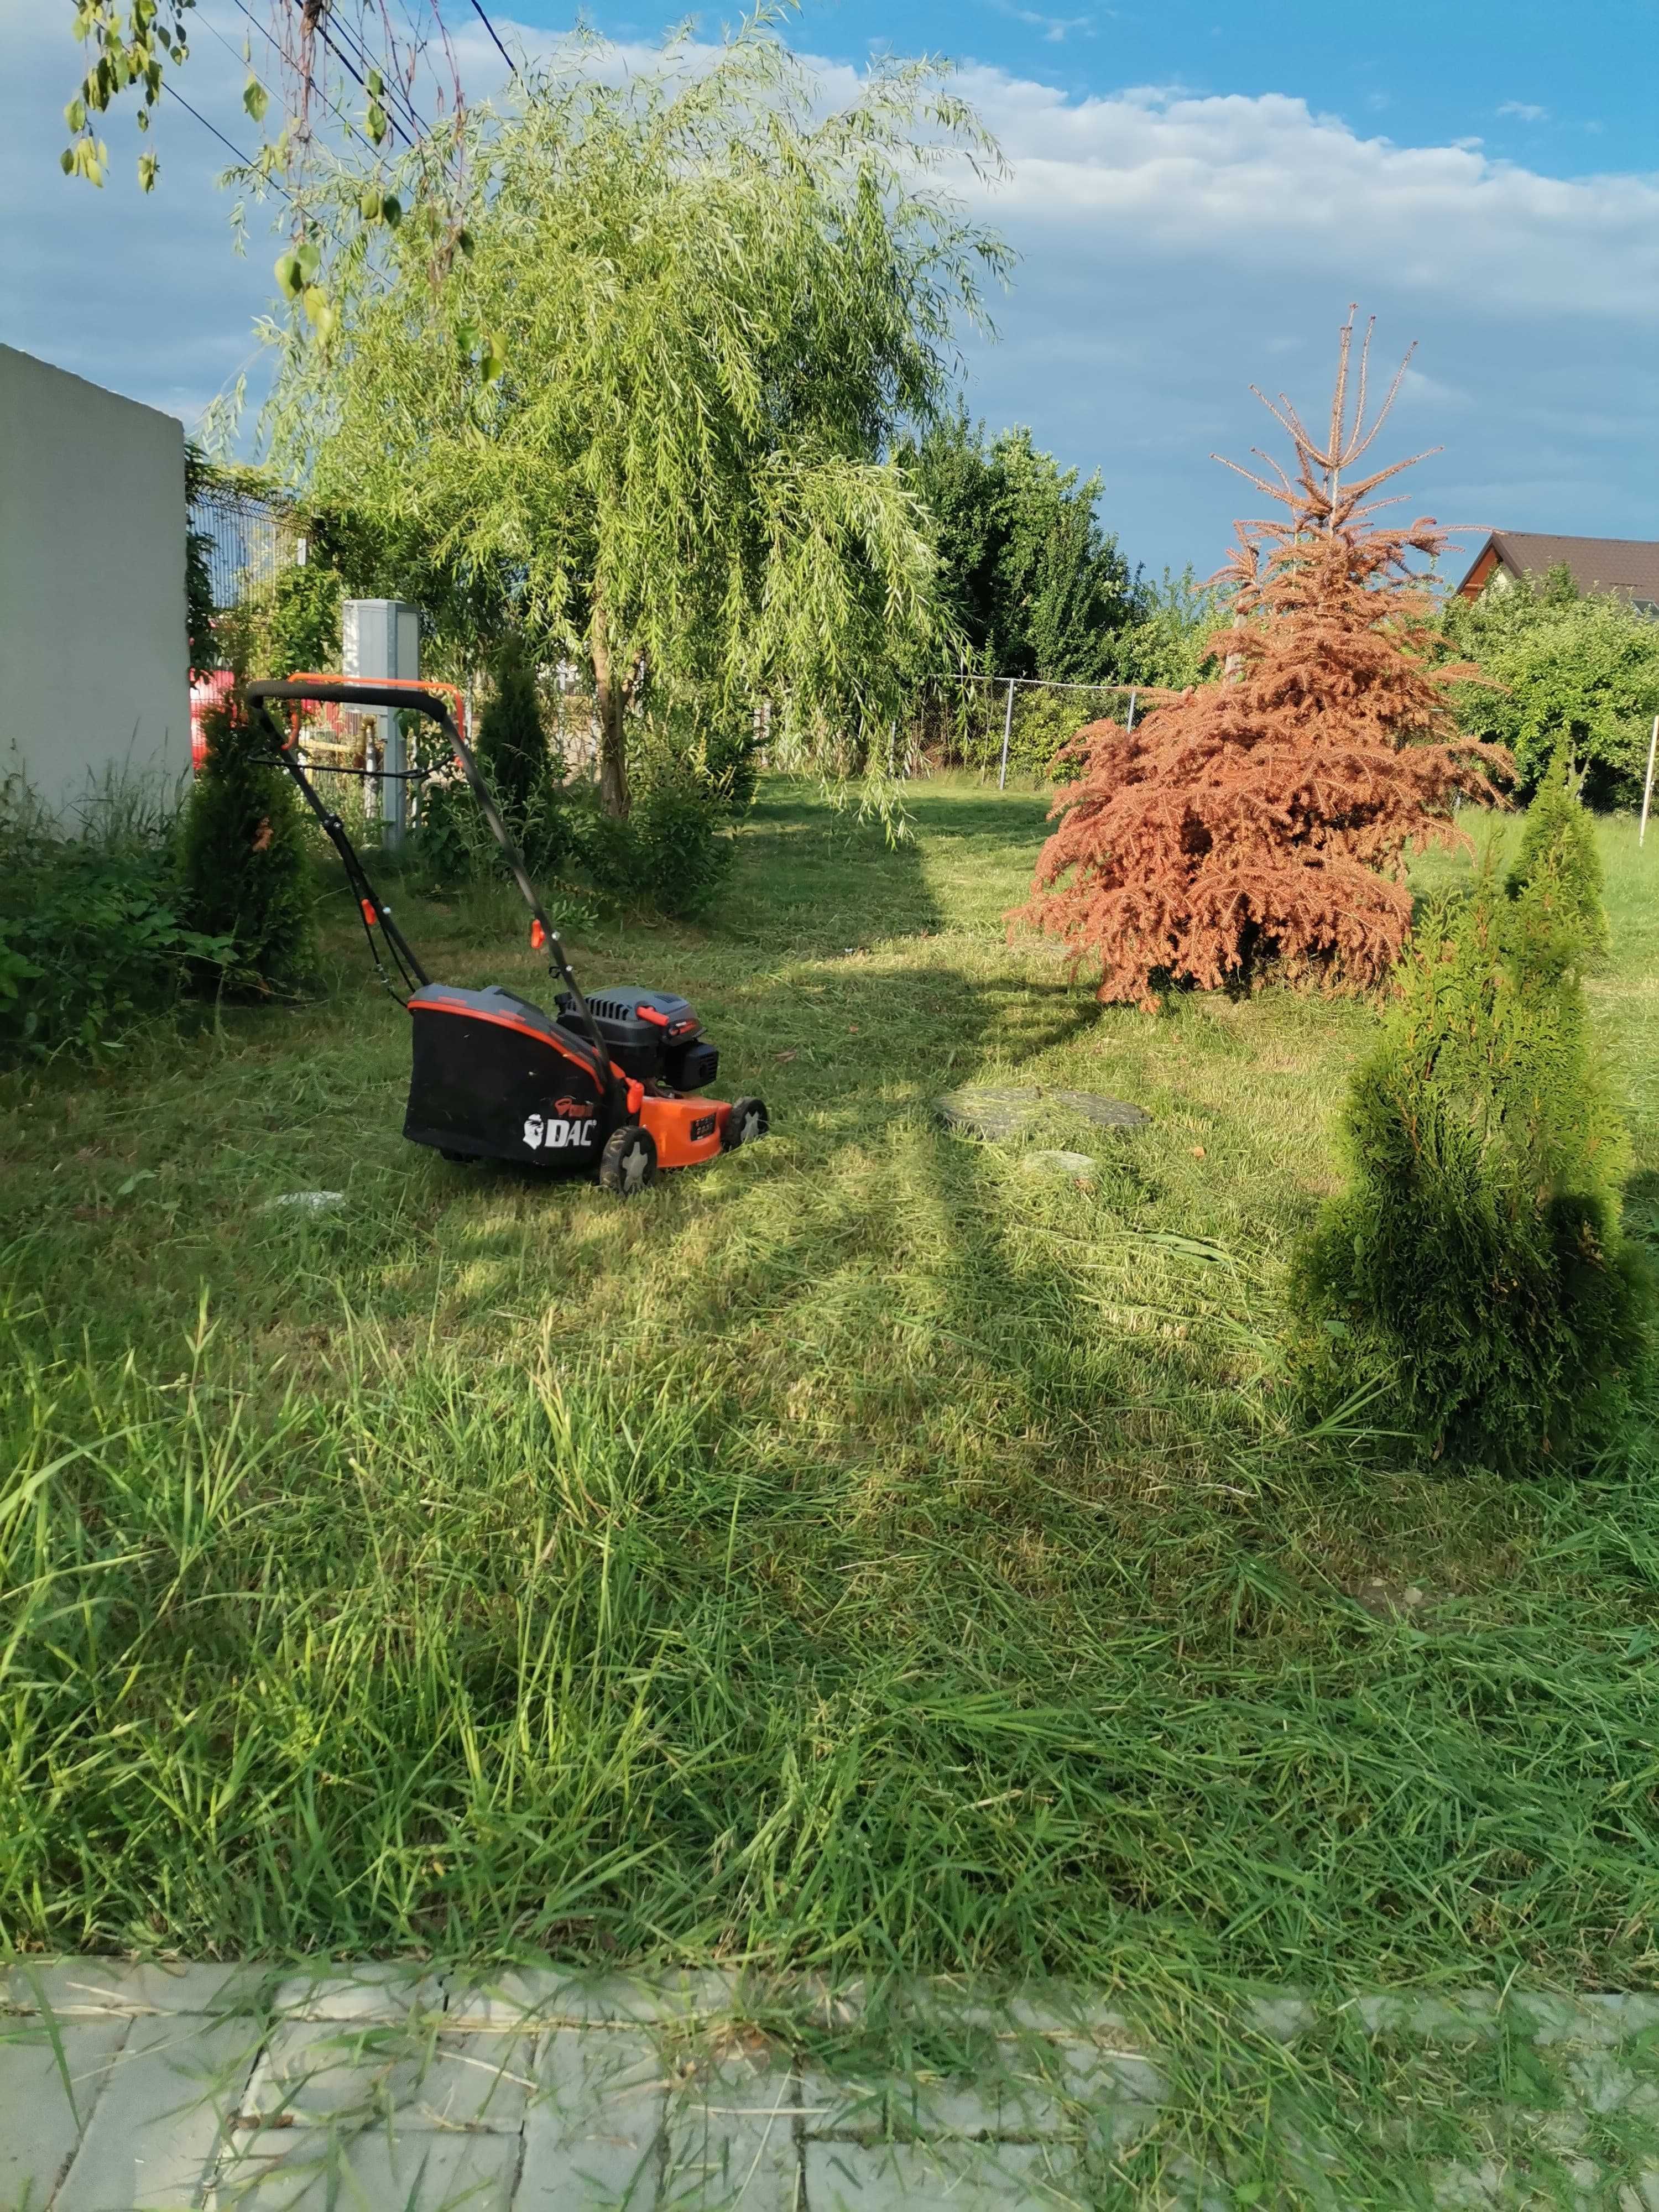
(656, 381)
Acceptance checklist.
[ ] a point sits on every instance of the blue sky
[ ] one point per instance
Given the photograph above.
(1196, 194)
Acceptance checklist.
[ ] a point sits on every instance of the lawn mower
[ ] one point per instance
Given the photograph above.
(610, 1082)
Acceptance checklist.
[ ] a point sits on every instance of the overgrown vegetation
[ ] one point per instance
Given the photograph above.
(93, 937)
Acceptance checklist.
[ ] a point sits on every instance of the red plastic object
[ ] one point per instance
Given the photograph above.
(650, 1014)
(369, 914)
(537, 935)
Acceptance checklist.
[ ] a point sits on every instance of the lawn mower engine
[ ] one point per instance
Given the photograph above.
(652, 1036)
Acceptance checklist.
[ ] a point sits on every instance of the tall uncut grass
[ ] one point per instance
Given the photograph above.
(867, 1554)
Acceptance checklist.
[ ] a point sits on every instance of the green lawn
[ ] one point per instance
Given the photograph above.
(864, 1553)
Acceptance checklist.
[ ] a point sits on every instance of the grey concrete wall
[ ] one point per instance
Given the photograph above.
(93, 674)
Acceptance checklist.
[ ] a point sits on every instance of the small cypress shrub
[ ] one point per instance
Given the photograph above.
(511, 745)
(1475, 1262)
(244, 862)
(1560, 862)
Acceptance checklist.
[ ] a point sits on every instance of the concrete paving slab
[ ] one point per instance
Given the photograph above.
(519, 1997)
(594, 2131)
(314, 2073)
(167, 2112)
(387, 1992)
(731, 2137)
(328, 2171)
(845, 2104)
(940, 2177)
(41, 2113)
(77, 1987)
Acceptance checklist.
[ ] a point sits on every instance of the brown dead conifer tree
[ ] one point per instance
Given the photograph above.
(1269, 817)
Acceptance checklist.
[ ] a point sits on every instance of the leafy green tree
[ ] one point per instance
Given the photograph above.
(1034, 585)
(656, 381)
(1566, 670)
(305, 617)
(1167, 647)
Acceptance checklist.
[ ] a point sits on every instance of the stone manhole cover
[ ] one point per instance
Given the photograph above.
(999, 1112)
(996, 1113)
(1104, 1113)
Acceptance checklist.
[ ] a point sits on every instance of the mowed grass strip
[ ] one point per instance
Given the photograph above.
(865, 1554)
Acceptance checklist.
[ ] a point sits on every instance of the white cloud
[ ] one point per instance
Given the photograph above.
(1175, 248)
(1523, 111)
(1055, 29)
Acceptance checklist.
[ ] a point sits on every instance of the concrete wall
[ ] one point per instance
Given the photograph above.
(93, 674)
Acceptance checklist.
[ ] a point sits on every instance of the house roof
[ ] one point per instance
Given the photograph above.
(1628, 565)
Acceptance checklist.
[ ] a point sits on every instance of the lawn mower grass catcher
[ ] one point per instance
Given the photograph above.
(610, 1084)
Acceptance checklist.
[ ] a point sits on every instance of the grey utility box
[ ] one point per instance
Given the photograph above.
(381, 639)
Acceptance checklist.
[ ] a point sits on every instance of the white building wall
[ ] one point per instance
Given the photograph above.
(93, 674)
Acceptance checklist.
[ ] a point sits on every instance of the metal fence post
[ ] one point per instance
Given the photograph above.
(1128, 727)
(1007, 731)
(1647, 788)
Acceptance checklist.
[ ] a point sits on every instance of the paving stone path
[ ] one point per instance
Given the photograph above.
(392, 2089)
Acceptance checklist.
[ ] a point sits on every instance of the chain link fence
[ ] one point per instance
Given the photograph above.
(1017, 726)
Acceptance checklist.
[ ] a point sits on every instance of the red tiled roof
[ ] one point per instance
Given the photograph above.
(1628, 565)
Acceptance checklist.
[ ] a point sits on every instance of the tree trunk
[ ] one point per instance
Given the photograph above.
(609, 703)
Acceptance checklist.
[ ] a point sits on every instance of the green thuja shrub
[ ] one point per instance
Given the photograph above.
(1474, 1264)
(511, 747)
(244, 861)
(1559, 861)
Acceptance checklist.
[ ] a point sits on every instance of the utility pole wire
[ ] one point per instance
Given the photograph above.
(477, 10)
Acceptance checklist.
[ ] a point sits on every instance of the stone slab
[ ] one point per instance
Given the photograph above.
(73, 1989)
(995, 1112)
(593, 2133)
(328, 2171)
(316, 2073)
(530, 1997)
(386, 1991)
(166, 2113)
(932, 2178)
(731, 2137)
(1104, 1113)
(40, 2126)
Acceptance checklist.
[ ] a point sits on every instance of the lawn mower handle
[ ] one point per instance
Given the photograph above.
(413, 698)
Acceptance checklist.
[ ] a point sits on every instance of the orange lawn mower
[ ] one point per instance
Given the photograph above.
(612, 1084)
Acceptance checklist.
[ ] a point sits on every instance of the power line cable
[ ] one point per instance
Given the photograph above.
(391, 87)
(332, 105)
(247, 161)
(477, 10)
